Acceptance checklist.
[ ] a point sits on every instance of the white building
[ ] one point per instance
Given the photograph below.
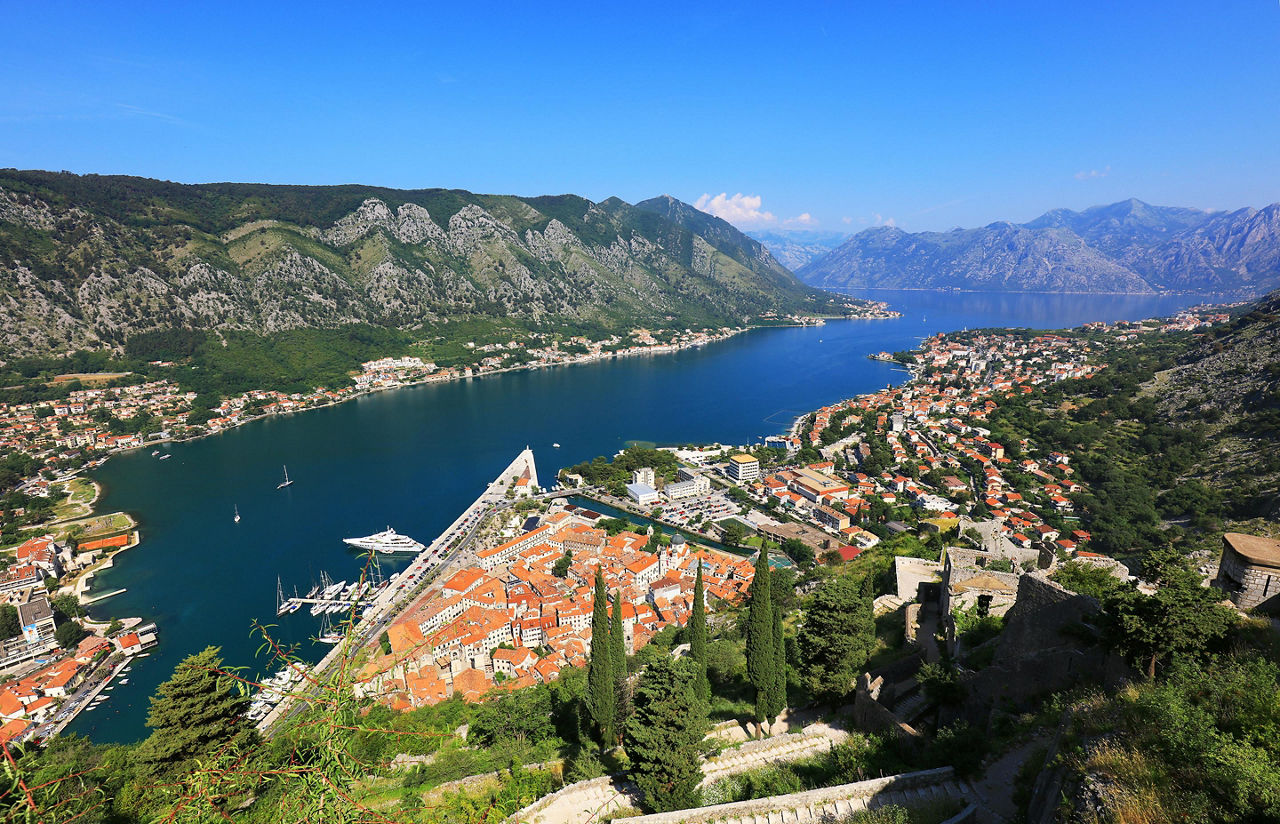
(642, 494)
(744, 468)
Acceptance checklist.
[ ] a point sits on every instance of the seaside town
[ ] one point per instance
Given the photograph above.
(915, 457)
(520, 612)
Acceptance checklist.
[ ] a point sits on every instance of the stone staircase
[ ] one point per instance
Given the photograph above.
(885, 604)
(911, 708)
(831, 803)
(584, 802)
(775, 750)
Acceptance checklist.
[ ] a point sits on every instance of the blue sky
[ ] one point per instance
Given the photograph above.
(829, 116)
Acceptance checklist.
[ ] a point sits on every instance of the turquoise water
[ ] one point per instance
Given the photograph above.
(413, 458)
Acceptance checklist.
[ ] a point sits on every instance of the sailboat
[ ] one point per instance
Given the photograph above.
(237, 517)
(286, 481)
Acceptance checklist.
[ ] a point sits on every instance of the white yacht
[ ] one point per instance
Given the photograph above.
(388, 541)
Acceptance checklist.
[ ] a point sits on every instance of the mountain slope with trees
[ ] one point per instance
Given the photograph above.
(92, 261)
(1128, 247)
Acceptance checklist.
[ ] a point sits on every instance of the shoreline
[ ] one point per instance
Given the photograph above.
(658, 349)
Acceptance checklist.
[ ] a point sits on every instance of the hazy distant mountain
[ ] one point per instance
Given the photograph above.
(797, 248)
(90, 260)
(1129, 246)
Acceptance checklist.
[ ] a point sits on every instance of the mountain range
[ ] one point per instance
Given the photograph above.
(794, 248)
(88, 261)
(1126, 247)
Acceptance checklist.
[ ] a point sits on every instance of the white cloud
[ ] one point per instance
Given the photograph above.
(1093, 173)
(846, 220)
(881, 220)
(803, 219)
(740, 210)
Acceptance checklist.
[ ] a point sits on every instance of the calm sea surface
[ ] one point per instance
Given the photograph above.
(413, 458)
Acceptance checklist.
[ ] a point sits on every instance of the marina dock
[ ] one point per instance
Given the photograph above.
(388, 600)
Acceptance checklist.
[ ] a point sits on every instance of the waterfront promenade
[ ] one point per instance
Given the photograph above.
(453, 547)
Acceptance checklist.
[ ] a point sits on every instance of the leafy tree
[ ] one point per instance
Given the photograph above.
(9, 626)
(732, 532)
(664, 735)
(1181, 620)
(1086, 579)
(68, 605)
(193, 713)
(761, 661)
(68, 634)
(698, 635)
(601, 701)
(799, 551)
(519, 716)
(561, 567)
(940, 683)
(725, 662)
(836, 638)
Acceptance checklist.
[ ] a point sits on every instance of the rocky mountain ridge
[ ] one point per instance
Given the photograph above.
(88, 261)
(1128, 247)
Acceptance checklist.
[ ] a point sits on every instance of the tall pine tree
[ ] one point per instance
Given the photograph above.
(601, 703)
(761, 661)
(698, 635)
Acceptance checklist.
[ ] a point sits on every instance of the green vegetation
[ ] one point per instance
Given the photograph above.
(697, 633)
(614, 474)
(762, 661)
(664, 734)
(195, 712)
(836, 639)
(1182, 620)
(602, 689)
(1199, 745)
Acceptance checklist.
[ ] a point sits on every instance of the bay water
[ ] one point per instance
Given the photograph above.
(413, 458)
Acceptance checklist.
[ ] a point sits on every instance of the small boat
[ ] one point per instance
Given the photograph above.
(237, 517)
(155, 452)
(166, 456)
(124, 680)
(556, 445)
(286, 481)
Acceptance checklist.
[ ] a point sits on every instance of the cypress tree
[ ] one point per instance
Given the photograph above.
(617, 640)
(761, 662)
(618, 662)
(601, 704)
(778, 695)
(698, 635)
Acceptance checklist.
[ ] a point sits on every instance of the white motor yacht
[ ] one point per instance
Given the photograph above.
(387, 541)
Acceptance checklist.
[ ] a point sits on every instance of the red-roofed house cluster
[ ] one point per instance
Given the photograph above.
(509, 621)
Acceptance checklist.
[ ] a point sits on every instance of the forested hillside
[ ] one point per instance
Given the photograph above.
(92, 261)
